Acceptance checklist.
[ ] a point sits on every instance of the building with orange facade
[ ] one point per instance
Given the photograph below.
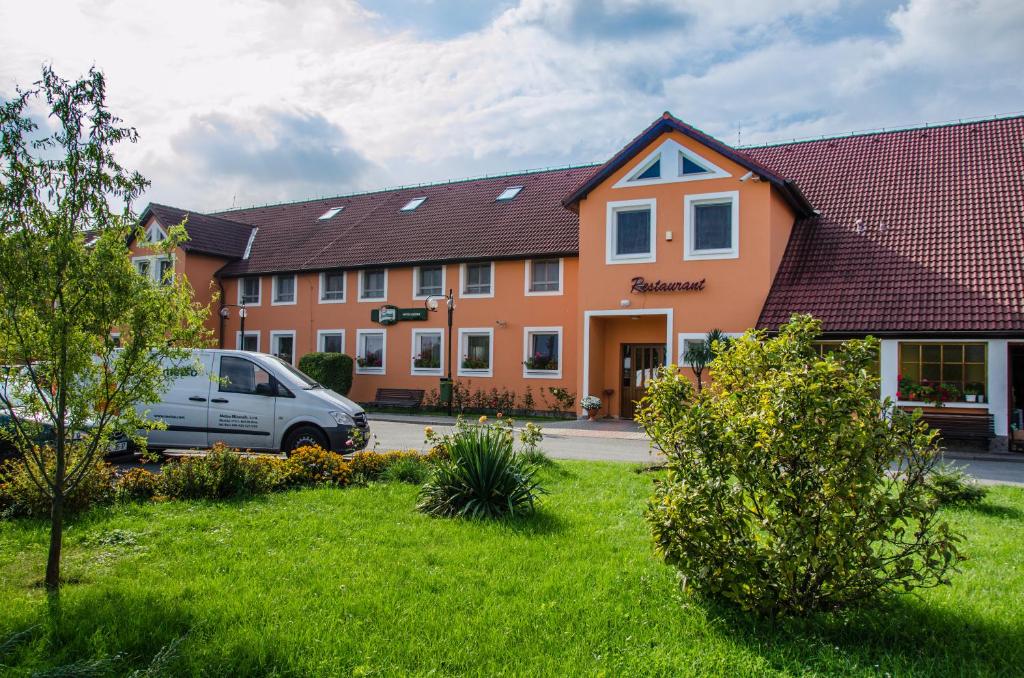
(588, 278)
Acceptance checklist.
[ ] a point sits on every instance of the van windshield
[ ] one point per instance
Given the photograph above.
(303, 379)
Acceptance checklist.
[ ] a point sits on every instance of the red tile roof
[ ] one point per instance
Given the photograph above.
(206, 234)
(460, 221)
(940, 241)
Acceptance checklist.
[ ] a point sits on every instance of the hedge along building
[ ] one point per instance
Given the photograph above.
(587, 278)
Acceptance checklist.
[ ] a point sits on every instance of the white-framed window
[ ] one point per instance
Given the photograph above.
(251, 341)
(428, 281)
(477, 279)
(115, 339)
(155, 268)
(630, 231)
(249, 290)
(543, 277)
(711, 225)
(671, 162)
(413, 204)
(542, 352)
(155, 234)
(283, 291)
(428, 351)
(282, 345)
(332, 287)
(371, 351)
(476, 352)
(373, 284)
(687, 340)
(330, 341)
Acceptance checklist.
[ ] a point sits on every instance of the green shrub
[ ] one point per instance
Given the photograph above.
(482, 478)
(408, 468)
(313, 465)
(333, 370)
(20, 496)
(220, 474)
(137, 484)
(790, 487)
(950, 486)
(372, 465)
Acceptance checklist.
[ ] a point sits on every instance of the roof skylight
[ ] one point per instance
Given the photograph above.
(509, 193)
(414, 203)
(330, 213)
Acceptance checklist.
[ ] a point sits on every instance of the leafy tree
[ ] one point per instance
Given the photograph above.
(701, 354)
(67, 285)
(791, 488)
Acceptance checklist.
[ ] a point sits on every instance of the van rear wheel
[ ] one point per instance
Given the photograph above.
(303, 436)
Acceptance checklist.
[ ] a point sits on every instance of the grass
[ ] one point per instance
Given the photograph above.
(355, 582)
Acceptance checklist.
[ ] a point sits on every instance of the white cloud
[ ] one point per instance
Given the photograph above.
(546, 82)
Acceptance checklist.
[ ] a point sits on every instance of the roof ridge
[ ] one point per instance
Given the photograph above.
(882, 130)
(203, 214)
(405, 187)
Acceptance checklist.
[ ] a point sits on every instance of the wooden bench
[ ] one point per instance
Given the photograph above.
(980, 427)
(397, 397)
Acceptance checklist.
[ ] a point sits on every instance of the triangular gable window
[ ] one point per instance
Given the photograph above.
(155, 234)
(689, 167)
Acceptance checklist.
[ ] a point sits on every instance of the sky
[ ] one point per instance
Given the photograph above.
(242, 102)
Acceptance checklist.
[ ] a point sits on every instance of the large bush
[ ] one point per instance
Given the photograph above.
(791, 488)
(220, 474)
(20, 494)
(333, 370)
(481, 476)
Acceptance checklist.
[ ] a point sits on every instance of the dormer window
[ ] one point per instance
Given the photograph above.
(413, 204)
(155, 234)
(653, 171)
(671, 162)
(688, 166)
(509, 193)
(330, 214)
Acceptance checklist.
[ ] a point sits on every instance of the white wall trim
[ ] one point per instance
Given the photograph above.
(542, 374)
(320, 334)
(691, 201)
(276, 334)
(430, 371)
(462, 282)
(528, 269)
(344, 288)
(273, 290)
(416, 281)
(383, 353)
(378, 300)
(463, 332)
(612, 313)
(615, 206)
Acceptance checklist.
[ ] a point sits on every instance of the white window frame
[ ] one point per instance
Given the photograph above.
(689, 223)
(161, 233)
(344, 288)
(154, 265)
(273, 290)
(669, 151)
(616, 206)
(276, 334)
(684, 337)
(542, 374)
(462, 281)
(432, 371)
(259, 295)
(383, 353)
(320, 334)
(377, 300)
(528, 270)
(416, 281)
(248, 333)
(464, 332)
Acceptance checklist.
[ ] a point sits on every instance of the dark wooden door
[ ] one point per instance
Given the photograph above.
(640, 363)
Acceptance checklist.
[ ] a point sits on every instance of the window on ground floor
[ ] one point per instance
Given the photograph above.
(475, 349)
(941, 371)
(543, 351)
(426, 351)
(331, 341)
(370, 351)
(250, 342)
(282, 345)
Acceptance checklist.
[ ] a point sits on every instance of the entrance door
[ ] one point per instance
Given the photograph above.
(640, 363)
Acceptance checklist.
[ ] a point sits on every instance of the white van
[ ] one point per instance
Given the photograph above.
(252, 401)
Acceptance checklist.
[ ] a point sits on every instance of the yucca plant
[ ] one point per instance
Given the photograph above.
(482, 478)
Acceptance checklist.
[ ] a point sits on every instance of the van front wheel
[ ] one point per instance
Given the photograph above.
(303, 436)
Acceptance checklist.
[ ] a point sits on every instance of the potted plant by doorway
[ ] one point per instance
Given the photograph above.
(592, 404)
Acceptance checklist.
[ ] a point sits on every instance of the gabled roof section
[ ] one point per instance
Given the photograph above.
(669, 123)
(919, 231)
(206, 234)
(459, 221)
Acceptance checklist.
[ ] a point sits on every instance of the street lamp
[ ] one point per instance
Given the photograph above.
(431, 304)
(225, 314)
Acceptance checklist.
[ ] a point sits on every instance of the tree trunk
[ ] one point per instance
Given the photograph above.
(56, 540)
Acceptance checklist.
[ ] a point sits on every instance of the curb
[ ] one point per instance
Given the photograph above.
(1006, 457)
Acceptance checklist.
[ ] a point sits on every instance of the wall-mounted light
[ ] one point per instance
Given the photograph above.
(625, 303)
(501, 323)
(668, 235)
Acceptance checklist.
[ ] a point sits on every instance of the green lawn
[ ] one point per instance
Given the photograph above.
(354, 581)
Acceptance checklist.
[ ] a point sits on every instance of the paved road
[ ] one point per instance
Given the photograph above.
(395, 435)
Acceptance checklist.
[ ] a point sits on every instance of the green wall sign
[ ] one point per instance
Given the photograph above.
(389, 315)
